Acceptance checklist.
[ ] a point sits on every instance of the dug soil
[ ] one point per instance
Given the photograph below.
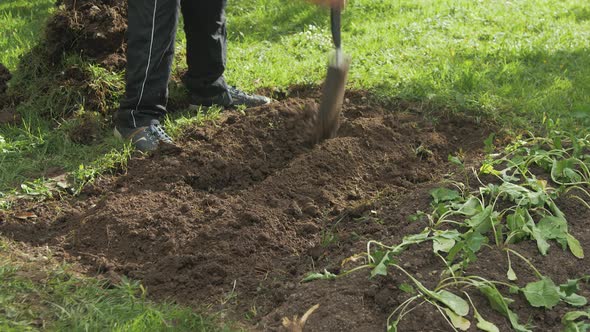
(235, 216)
(94, 29)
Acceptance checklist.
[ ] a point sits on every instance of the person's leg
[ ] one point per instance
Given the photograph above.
(204, 25)
(150, 50)
(151, 33)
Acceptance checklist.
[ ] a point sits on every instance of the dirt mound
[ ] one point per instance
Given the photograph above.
(245, 207)
(93, 28)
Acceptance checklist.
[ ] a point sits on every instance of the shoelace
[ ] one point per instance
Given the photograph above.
(158, 131)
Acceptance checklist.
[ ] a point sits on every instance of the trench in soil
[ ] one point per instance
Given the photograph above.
(235, 216)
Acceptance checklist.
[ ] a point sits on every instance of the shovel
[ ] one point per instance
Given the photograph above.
(328, 119)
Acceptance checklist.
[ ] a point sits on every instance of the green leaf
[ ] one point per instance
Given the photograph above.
(567, 292)
(444, 240)
(575, 246)
(536, 198)
(444, 195)
(564, 171)
(542, 293)
(552, 227)
(513, 289)
(459, 246)
(471, 207)
(577, 327)
(319, 276)
(448, 234)
(441, 208)
(481, 222)
(475, 240)
(522, 195)
(575, 144)
(542, 244)
(418, 216)
(515, 192)
(490, 189)
(452, 301)
(575, 300)
(507, 177)
(500, 304)
(455, 160)
(487, 168)
(489, 144)
(572, 175)
(574, 315)
(569, 321)
(516, 221)
(407, 288)
(557, 142)
(381, 267)
(570, 287)
(392, 327)
(510, 274)
(413, 239)
(458, 321)
(484, 325)
(442, 244)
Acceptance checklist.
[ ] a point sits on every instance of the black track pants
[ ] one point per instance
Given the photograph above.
(150, 50)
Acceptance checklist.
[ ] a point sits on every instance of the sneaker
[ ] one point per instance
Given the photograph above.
(146, 138)
(233, 97)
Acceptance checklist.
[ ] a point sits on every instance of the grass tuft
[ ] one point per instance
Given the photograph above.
(37, 293)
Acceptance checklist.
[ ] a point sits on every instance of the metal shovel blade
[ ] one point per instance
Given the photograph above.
(332, 98)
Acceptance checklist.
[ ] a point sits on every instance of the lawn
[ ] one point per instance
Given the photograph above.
(522, 66)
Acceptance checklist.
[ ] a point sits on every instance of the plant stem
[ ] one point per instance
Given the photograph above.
(539, 275)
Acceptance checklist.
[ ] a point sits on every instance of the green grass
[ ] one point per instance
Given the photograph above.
(21, 22)
(37, 293)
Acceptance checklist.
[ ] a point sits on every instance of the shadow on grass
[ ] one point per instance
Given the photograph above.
(581, 14)
(252, 21)
(21, 25)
